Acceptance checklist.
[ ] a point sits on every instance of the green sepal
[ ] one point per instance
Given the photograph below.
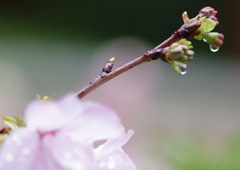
(45, 98)
(20, 121)
(13, 123)
(207, 25)
(10, 122)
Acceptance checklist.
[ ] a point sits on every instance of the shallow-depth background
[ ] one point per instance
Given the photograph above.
(180, 122)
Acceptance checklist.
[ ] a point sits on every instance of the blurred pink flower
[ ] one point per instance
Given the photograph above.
(62, 136)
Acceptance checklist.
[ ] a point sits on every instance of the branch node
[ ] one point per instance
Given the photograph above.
(188, 30)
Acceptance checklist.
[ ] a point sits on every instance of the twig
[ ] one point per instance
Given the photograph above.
(185, 31)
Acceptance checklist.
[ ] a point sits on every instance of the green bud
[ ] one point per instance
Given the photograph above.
(179, 54)
(179, 67)
(214, 39)
(208, 20)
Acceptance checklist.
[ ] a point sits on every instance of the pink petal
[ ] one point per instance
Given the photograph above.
(19, 150)
(114, 144)
(110, 155)
(49, 116)
(97, 122)
(117, 160)
(66, 154)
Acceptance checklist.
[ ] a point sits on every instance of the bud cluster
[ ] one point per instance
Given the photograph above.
(207, 19)
(178, 54)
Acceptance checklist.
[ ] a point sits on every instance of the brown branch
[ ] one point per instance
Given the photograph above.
(100, 80)
(185, 31)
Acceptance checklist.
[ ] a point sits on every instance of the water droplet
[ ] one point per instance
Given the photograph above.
(183, 72)
(214, 49)
(182, 68)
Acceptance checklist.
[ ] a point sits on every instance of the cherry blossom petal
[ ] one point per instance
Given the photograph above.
(110, 155)
(117, 160)
(114, 144)
(50, 115)
(61, 136)
(97, 122)
(68, 154)
(19, 150)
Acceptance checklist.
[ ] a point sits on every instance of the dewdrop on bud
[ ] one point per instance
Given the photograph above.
(180, 68)
(214, 39)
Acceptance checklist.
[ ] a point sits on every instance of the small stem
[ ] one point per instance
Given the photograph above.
(185, 31)
(100, 80)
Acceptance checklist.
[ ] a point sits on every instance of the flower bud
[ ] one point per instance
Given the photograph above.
(206, 19)
(207, 11)
(214, 39)
(180, 68)
(213, 18)
(189, 54)
(179, 54)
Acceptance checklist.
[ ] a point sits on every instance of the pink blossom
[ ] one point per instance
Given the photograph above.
(62, 136)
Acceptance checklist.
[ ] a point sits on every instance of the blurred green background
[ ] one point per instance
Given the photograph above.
(189, 122)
